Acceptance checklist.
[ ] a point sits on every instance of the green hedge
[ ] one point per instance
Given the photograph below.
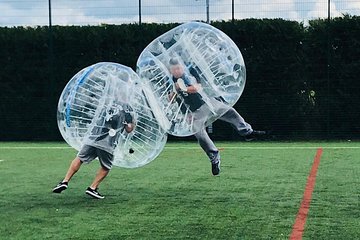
(290, 90)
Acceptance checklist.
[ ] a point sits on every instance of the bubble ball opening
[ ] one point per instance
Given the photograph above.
(195, 73)
(94, 107)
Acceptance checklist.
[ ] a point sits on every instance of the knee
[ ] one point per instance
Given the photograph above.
(76, 163)
(200, 134)
(105, 168)
(231, 112)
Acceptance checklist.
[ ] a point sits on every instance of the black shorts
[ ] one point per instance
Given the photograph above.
(89, 153)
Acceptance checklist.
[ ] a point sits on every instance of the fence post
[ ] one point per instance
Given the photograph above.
(232, 12)
(328, 65)
(51, 50)
(207, 11)
(50, 35)
(50, 95)
(139, 12)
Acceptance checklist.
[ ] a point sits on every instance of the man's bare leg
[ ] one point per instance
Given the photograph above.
(74, 167)
(100, 175)
(92, 190)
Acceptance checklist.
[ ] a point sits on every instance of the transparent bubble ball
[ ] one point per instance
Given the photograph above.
(104, 105)
(196, 73)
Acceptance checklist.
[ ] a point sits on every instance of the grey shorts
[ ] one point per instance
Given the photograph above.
(89, 153)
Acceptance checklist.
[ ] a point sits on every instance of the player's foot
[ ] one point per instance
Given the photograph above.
(254, 135)
(94, 193)
(215, 162)
(60, 187)
(215, 167)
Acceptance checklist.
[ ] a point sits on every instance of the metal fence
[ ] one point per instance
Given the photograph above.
(95, 12)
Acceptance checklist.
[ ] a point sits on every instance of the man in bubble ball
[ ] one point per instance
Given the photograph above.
(189, 92)
(101, 143)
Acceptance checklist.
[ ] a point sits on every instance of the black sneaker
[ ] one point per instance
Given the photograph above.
(215, 162)
(94, 193)
(60, 187)
(215, 167)
(254, 135)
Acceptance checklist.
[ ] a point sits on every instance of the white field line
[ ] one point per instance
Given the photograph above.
(1, 160)
(271, 147)
(33, 147)
(198, 147)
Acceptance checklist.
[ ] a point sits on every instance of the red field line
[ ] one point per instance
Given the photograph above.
(298, 227)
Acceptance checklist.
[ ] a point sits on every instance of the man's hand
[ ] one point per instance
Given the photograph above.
(194, 88)
(197, 87)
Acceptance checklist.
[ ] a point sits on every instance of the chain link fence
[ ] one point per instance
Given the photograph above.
(94, 12)
(320, 59)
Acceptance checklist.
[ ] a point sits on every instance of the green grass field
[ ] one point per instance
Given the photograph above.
(256, 196)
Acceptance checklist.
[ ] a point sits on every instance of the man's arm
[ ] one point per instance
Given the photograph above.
(172, 96)
(193, 88)
(190, 88)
